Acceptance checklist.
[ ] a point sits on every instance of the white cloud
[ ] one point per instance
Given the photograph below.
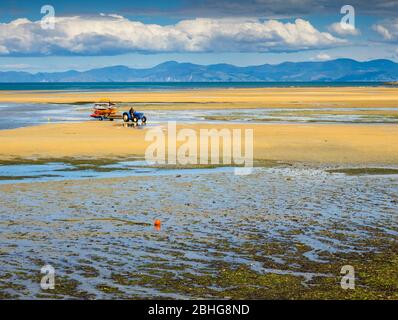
(323, 57)
(344, 29)
(112, 34)
(19, 66)
(3, 50)
(388, 30)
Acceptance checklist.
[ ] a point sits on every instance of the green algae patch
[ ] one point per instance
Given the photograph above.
(110, 219)
(6, 178)
(108, 289)
(229, 283)
(376, 277)
(244, 283)
(65, 287)
(102, 165)
(87, 271)
(365, 171)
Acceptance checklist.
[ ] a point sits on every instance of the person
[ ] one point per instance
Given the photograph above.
(131, 111)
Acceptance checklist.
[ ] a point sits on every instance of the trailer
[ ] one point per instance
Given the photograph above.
(105, 111)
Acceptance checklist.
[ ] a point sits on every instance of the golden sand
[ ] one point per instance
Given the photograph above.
(224, 98)
(338, 143)
(315, 143)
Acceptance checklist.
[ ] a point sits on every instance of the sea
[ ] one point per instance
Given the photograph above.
(170, 86)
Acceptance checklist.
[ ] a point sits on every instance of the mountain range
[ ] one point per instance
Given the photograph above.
(340, 70)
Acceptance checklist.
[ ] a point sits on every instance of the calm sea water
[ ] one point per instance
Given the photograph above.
(140, 86)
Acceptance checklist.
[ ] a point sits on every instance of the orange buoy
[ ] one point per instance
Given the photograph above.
(157, 223)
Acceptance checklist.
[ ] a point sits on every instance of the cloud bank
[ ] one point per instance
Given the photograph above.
(388, 30)
(344, 29)
(112, 35)
(323, 57)
(289, 8)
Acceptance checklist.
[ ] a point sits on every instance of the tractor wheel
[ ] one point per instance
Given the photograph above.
(143, 119)
(135, 119)
(110, 119)
(126, 117)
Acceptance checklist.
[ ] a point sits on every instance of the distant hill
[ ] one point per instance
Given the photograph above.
(344, 70)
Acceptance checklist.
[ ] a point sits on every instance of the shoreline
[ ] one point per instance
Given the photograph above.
(247, 98)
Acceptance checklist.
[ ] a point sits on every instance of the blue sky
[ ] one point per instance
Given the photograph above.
(91, 34)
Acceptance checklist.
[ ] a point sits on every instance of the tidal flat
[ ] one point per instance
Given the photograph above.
(282, 232)
(323, 195)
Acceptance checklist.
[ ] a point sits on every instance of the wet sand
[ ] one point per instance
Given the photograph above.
(314, 143)
(280, 233)
(225, 98)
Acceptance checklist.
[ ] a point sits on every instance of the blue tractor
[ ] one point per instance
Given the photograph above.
(134, 116)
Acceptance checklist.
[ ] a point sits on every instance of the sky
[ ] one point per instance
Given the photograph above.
(53, 35)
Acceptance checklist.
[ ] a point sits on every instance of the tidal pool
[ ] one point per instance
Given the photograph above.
(59, 171)
(14, 115)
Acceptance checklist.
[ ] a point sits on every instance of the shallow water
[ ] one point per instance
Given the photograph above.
(99, 232)
(22, 115)
(14, 115)
(275, 115)
(59, 171)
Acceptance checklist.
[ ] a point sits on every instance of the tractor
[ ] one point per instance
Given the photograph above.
(134, 116)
